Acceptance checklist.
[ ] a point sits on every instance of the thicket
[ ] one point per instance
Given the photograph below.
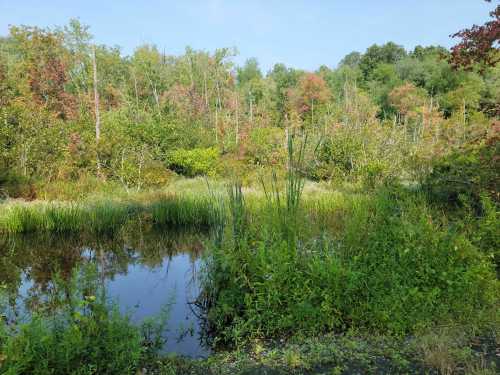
(384, 113)
(386, 261)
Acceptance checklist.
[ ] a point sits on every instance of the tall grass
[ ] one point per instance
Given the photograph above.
(107, 216)
(176, 211)
(385, 261)
(284, 207)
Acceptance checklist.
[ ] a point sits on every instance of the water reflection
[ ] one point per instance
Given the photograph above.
(142, 269)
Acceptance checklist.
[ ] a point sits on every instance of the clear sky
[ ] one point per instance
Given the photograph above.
(303, 34)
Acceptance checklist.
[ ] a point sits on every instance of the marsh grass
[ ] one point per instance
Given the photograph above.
(283, 207)
(176, 211)
(107, 216)
(385, 261)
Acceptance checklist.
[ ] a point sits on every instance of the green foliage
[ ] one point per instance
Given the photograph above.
(106, 216)
(161, 111)
(384, 260)
(336, 156)
(88, 336)
(15, 186)
(392, 268)
(465, 173)
(486, 231)
(266, 146)
(388, 53)
(250, 71)
(194, 162)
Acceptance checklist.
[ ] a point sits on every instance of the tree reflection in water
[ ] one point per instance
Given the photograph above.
(142, 268)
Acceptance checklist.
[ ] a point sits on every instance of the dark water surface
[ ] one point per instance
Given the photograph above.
(142, 270)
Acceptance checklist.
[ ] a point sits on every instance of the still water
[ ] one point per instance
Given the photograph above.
(144, 271)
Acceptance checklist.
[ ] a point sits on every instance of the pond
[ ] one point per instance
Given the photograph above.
(143, 270)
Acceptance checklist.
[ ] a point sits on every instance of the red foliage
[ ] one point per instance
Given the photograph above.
(479, 44)
(47, 80)
(312, 90)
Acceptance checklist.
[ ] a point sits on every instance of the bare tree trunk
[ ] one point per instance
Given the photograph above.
(237, 121)
(217, 107)
(155, 93)
(251, 106)
(97, 113)
(216, 125)
(205, 89)
(136, 94)
(312, 111)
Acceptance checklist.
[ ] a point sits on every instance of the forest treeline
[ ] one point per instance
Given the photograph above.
(383, 113)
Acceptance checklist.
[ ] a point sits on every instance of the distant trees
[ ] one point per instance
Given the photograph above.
(389, 53)
(152, 104)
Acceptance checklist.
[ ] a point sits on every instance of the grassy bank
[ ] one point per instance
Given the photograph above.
(86, 335)
(107, 215)
(297, 280)
(442, 352)
(386, 261)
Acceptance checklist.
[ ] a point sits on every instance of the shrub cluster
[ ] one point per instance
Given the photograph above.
(394, 266)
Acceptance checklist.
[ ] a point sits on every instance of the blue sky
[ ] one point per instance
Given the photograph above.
(302, 34)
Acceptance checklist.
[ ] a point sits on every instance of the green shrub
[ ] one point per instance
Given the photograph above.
(412, 269)
(194, 162)
(86, 335)
(336, 156)
(373, 173)
(391, 268)
(465, 174)
(15, 186)
(265, 146)
(485, 230)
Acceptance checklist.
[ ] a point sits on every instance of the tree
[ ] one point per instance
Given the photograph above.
(479, 44)
(250, 71)
(312, 94)
(284, 79)
(45, 66)
(351, 60)
(383, 79)
(407, 100)
(375, 55)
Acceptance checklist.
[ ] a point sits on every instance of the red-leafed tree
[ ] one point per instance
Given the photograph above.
(45, 67)
(479, 44)
(311, 93)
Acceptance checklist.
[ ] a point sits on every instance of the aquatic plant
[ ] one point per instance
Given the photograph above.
(390, 265)
(107, 216)
(87, 335)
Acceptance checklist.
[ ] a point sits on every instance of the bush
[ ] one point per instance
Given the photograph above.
(467, 172)
(336, 156)
(195, 162)
(265, 146)
(15, 186)
(392, 268)
(373, 173)
(85, 336)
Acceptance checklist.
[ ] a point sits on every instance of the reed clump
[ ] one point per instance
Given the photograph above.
(107, 216)
(386, 261)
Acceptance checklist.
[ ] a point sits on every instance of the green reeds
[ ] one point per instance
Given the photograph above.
(238, 212)
(108, 216)
(286, 205)
(176, 211)
(51, 217)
